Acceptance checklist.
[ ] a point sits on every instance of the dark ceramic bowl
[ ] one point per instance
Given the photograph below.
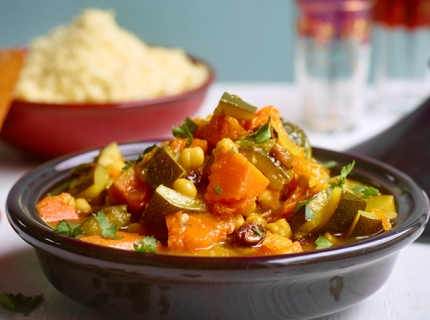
(51, 130)
(295, 286)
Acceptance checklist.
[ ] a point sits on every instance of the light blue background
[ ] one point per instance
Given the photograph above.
(244, 40)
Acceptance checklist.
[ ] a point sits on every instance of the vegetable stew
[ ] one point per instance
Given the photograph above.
(240, 182)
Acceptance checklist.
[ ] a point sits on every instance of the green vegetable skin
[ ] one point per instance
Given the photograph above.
(235, 107)
(299, 137)
(274, 172)
(345, 213)
(166, 201)
(117, 215)
(89, 181)
(19, 302)
(366, 222)
(161, 168)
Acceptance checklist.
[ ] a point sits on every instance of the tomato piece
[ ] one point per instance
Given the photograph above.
(129, 189)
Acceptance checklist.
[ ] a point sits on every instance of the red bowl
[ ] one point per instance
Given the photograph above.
(51, 130)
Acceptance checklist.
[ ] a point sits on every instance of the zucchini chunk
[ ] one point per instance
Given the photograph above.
(235, 107)
(164, 202)
(117, 215)
(278, 175)
(371, 220)
(368, 223)
(162, 169)
(345, 213)
(299, 137)
(323, 208)
(89, 180)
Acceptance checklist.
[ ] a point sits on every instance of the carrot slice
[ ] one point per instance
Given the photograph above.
(57, 208)
(126, 241)
(222, 127)
(261, 117)
(234, 182)
(277, 244)
(198, 231)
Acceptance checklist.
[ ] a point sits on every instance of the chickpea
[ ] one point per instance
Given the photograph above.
(82, 205)
(238, 221)
(185, 187)
(191, 158)
(269, 199)
(280, 227)
(256, 218)
(250, 210)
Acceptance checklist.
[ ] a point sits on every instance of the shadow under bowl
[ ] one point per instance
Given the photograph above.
(50, 130)
(296, 286)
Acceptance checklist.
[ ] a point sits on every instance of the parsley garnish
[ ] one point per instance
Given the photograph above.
(148, 245)
(263, 133)
(328, 164)
(366, 192)
(69, 229)
(258, 231)
(147, 150)
(186, 130)
(128, 164)
(218, 190)
(19, 302)
(340, 180)
(323, 243)
(108, 229)
(309, 214)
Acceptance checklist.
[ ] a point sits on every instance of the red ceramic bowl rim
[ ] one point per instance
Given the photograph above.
(131, 103)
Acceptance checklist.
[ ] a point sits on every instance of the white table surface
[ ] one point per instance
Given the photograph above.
(406, 294)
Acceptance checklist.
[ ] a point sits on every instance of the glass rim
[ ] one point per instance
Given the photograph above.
(341, 5)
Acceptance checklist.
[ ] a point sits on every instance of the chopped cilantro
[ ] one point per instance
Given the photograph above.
(322, 243)
(263, 133)
(108, 229)
(340, 180)
(148, 245)
(147, 150)
(366, 191)
(128, 164)
(309, 214)
(258, 231)
(185, 130)
(19, 302)
(185, 224)
(328, 164)
(69, 229)
(218, 190)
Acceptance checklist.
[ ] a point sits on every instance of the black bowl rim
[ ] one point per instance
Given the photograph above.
(40, 235)
(130, 103)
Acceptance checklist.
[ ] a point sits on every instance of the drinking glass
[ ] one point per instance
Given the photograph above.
(333, 53)
(401, 53)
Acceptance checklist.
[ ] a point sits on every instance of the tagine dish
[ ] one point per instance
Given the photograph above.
(240, 182)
